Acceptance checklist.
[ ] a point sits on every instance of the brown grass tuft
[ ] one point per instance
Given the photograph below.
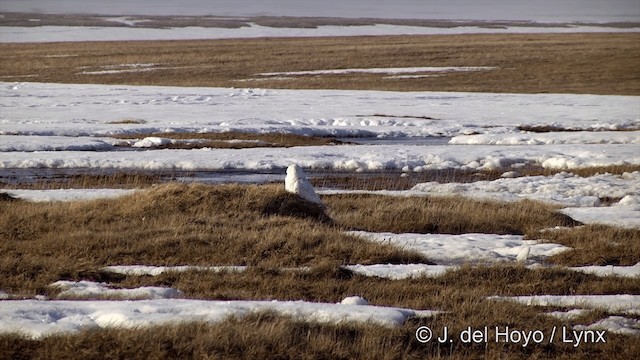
(173, 225)
(221, 139)
(595, 245)
(451, 215)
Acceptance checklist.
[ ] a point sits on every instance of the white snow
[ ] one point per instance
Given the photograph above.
(87, 110)
(67, 194)
(90, 289)
(354, 300)
(613, 303)
(296, 182)
(13, 34)
(407, 271)
(403, 70)
(614, 324)
(344, 157)
(27, 143)
(560, 189)
(610, 270)
(572, 137)
(41, 318)
(627, 216)
(568, 315)
(402, 271)
(152, 141)
(140, 270)
(445, 249)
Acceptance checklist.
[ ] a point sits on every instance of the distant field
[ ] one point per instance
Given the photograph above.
(520, 63)
(272, 232)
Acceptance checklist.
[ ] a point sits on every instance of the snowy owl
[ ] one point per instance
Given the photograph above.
(296, 182)
(523, 254)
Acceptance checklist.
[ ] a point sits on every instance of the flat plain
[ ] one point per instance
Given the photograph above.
(268, 230)
(513, 63)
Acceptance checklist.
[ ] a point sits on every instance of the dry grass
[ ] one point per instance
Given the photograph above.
(382, 180)
(329, 283)
(397, 180)
(269, 229)
(246, 225)
(450, 215)
(249, 140)
(556, 128)
(265, 336)
(529, 63)
(174, 225)
(596, 245)
(31, 19)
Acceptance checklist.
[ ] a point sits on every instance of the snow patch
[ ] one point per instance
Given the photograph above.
(151, 142)
(610, 270)
(140, 270)
(89, 289)
(10, 143)
(446, 249)
(354, 300)
(41, 318)
(615, 324)
(400, 271)
(403, 70)
(613, 303)
(568, 315)
(68, 194)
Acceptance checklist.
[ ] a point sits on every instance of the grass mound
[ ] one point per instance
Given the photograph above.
(173, 224)
(451, 215)
(286, 204)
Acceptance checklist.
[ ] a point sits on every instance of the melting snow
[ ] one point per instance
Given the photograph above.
(404, 271)
(40, 318)
(139, 270)
(381, 70)
(615, 324)
(614, 303)
(447, 249)
(90, 289)
(68, 194)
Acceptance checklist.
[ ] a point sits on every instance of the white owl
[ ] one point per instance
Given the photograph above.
(296, 182)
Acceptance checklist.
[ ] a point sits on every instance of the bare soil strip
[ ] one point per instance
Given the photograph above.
(604, 63)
